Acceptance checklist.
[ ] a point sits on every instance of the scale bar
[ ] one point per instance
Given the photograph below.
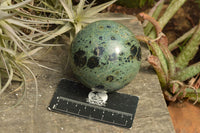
(93, 106)
(71, 98)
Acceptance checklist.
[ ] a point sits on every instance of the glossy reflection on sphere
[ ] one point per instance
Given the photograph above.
(105, 55)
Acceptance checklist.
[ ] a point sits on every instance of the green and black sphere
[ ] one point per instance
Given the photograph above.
(105, 55)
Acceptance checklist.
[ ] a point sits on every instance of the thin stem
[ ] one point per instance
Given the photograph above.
(4, 62)
(36, 83)
(8, 81)
(169, 13)
(0, 81)
(23, 84)
(161, 38)
(152, 20)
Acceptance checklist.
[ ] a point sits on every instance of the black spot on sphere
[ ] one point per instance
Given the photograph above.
(139, 54)
(102, 43)
(112, 57)
(99, 51)
(100, 38)
(89, 42)
(120, 59)
(128, 43)
(100, 87)
(110, 78)
(103, 63)
(108, 26)
(93, 62)
(80, 58)
(113, 38)
(121, 54)
(133, 50)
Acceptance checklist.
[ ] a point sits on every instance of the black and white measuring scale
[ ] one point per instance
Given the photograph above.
(73, 98)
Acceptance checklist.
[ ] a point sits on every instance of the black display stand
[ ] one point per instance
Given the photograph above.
(71, 98)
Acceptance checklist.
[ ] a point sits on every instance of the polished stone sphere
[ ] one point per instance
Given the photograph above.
(105, 56)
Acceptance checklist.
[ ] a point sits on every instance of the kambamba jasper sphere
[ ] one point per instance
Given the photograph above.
(105, 56)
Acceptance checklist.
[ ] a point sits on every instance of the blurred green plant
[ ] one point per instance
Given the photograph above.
(198, 2)
(75, 17)
(178, 78)
(18, 43)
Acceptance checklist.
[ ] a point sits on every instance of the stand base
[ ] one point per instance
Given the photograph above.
(71, 98)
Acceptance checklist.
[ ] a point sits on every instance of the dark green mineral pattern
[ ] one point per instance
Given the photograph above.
(105, 55)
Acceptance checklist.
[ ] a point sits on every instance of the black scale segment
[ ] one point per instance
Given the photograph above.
(70, 97)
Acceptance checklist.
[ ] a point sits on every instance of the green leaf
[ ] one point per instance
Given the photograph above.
(154, 61)
(68, 8)
(22, 85)
(168, 14)
(80, 6)
(11, 33)
(0, 80)
(96, 9)
(78, 27)
(30, 53)
(189, 51)
(159, 53)
(105, 16)
(58, 32)
(20, 24)
(44, 19)
(88, 6)
(188, 72)
(11, 52)
(39, 22)
(186, 35)
(4, 15)
(11, 72)
(18, 5)
(155, 14)
(4, 63)
(35, 80)
(38, 44)
(40, 9)
(170, 11)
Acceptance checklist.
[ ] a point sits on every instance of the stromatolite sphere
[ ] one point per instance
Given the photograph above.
(105, 55)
